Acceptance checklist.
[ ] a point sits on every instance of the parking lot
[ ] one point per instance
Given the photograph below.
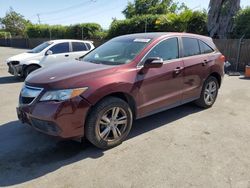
(182, 147)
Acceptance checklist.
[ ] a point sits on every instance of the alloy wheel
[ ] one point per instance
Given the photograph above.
(112, 124)
(210, 92)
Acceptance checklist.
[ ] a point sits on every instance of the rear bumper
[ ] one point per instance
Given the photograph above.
(61, 119)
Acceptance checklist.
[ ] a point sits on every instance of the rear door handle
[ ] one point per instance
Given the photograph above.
(178, 70)
(67, 55)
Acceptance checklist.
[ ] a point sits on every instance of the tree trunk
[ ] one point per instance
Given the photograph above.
(220, 17)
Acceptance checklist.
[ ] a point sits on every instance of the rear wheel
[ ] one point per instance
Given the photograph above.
(209, 93)
(29, 69)
(109, 123)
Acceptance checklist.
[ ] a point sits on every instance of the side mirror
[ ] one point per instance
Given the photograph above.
(49, 52)
(153, 62)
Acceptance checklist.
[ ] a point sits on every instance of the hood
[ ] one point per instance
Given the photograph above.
(22, 57)
(68, 75)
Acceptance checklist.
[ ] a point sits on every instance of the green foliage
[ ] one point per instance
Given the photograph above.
(87, 31)
(4, 34)
(186, 21)
(143, 7)
(14, 23)
(242, 24)
(133, 25)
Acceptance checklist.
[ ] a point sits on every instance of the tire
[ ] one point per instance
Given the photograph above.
(106, 132)
(209, 93)
(29, 69)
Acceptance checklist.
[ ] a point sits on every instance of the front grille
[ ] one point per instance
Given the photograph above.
(45, 126)
(29, 94)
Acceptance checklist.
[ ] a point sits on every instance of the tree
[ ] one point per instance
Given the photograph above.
(221, 16)
(142, 7)
(242, 24)
(14, 23)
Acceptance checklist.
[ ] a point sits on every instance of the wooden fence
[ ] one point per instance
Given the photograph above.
(235, 52)
(229, 47)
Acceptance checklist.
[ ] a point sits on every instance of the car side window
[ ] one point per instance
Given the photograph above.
(88, 45)
(167, 50)
(205, 49)
(190, 46)
(60, 48)
(78, 46)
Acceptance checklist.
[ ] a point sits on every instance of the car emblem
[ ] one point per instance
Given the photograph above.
(52, 78)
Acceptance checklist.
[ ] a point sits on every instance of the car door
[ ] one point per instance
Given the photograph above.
(161, 88)
(57, 54)
(195, 68)
(79, 49)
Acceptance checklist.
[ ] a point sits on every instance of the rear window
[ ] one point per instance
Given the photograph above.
(79, 46)
(205, 49)
(190, 46)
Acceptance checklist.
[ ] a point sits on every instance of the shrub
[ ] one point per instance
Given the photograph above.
(186, 21)
(242, 24)
(87, 31)
(4, 34)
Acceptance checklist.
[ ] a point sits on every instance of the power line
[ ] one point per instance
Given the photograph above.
(67, 8)
(87, 13)
(63, 9)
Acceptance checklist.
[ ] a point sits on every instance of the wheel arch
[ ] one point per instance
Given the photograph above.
(29, 65)
(217, 76)
(121, 95)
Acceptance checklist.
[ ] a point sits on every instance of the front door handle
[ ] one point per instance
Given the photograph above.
(204, 63)
(67, 55)
(178, 70)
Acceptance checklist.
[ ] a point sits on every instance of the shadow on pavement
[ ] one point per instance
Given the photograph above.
(244, 78)
(10, 79)
(26, 154)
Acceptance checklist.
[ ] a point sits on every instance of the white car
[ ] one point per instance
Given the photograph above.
(46, 54)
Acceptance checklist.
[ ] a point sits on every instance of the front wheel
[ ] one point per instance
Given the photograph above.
(109, 123)
(209, 93)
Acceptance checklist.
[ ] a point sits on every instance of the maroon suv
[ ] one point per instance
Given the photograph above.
(127, 78)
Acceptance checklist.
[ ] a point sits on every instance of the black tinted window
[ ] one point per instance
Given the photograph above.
(167, 50)
(79, 46)
(190, 47)
(205, 49)
(88, 45)
(60, 48)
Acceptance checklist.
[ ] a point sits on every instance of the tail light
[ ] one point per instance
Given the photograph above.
(222, 59)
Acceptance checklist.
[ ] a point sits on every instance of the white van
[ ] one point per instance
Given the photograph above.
(46, 54)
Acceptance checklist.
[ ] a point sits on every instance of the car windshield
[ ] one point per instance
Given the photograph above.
(40, 48)
(117, 51)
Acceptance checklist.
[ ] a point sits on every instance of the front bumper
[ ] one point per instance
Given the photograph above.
(61, 119)
(15, 69)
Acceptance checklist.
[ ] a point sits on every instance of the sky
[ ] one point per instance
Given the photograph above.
(80, 11)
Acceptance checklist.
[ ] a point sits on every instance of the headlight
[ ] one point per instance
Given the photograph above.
(60, 95)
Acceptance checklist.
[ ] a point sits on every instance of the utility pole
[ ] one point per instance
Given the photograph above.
(82, 33)
(49, 34)
(39, 20)
(146, 25)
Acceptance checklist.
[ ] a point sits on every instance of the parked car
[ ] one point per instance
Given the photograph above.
(127, 78)
(46, 54)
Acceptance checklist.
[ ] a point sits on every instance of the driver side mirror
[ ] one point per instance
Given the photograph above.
(49, 52)
(153, 62)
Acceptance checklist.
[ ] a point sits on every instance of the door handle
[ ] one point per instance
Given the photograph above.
(178, 70)
(204, 63)
(67, 55)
